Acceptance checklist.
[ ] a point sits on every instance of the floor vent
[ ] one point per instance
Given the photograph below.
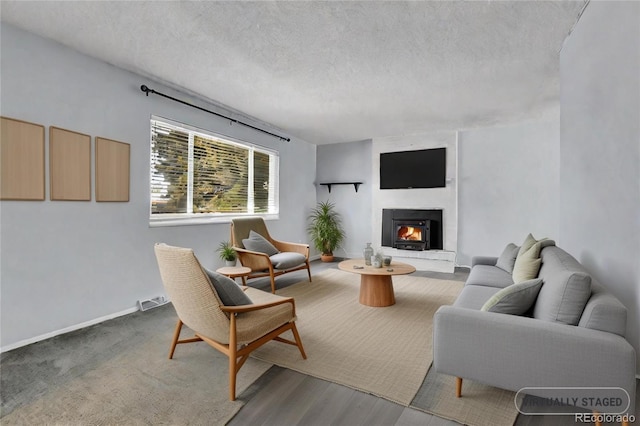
(147, 304)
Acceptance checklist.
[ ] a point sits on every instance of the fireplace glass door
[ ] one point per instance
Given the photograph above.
(411, 234)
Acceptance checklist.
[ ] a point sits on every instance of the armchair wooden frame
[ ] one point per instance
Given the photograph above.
(237, 357)
(260, 263)
(235, 331)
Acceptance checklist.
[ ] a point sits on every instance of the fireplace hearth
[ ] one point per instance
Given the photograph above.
(410, 229)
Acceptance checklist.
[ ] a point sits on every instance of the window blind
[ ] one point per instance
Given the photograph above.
(193, 172)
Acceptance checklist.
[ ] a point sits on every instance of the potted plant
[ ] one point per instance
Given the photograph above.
(227, 253)
(325, 229)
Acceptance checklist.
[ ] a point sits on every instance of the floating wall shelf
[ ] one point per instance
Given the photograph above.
(356, 185)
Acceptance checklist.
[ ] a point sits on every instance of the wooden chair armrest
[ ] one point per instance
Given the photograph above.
(292, 247)
(254, 253)
(252, 259)
(258, 306)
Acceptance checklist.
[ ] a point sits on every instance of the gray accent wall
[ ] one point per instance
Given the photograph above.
(348, 162)
(600, 150)
(65, 264)
(508, 186)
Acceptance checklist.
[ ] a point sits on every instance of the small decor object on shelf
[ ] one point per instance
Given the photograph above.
(368, 252)
(227, 253)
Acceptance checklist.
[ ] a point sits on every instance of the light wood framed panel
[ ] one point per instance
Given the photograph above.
(69, 165)
(22, 175)
(112, 170)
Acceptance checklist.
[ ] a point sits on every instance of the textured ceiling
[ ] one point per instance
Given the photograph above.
(331, 71)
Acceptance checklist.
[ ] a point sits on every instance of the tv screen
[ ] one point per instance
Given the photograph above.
(426, 168)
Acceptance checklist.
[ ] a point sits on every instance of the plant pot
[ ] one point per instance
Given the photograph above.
(229, 263)
(326, 257)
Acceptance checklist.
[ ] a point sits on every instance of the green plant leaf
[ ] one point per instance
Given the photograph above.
(325, 227)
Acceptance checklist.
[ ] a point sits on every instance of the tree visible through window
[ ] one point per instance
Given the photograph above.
(193, 172)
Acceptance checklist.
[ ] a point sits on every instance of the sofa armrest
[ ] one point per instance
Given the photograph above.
(512, 352)
(484, 260)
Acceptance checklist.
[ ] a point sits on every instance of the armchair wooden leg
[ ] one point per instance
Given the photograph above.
(233, 359)
(273, 284)
(458, 387)
(309, 270)
(176, 336)
(296, 336)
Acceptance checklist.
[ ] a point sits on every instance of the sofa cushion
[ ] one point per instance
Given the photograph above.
(528, 261)
(565, 290)
(229, 292)
(508, 258)
(286, 260)
(516, 299)
(257, 242)
(473, 297)
(490, 276)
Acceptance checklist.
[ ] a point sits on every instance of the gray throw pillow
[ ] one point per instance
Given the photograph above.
(287, 259)
(257, 242)
(229, 292)
(515, 299)
(508, 258)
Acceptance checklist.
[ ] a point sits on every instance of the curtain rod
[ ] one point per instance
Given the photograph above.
(146, 90)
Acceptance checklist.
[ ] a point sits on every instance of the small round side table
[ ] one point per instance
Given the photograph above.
(235, 271)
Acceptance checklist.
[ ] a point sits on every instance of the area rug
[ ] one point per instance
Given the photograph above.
(383, 351)
(480, 405)
(386, 351)
(141, 386)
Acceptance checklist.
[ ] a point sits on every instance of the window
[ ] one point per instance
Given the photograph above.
(199, 177)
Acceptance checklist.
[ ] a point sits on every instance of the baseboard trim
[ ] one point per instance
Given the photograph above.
(69, 329)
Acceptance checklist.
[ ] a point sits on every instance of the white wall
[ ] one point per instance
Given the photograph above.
(348, 162)
(69, 263)
(508, 186)
(600, 150)
(424, 198)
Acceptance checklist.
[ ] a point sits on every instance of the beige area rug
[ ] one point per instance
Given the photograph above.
(383, 351)
(143, 387)
(480, 405)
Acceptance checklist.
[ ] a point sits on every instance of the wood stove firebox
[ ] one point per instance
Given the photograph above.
(408, 229)
(412, 234)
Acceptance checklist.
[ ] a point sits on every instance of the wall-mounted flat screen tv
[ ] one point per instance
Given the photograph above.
(425, 168)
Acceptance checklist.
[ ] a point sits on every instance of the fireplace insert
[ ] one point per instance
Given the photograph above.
(412, 234)
(427, 222)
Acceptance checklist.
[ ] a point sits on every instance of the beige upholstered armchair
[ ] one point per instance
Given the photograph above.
(232, 319)
(266, 256)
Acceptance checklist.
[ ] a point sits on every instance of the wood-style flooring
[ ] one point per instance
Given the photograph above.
(285, 397)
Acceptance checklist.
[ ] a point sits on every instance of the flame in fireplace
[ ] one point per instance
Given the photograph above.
(410, 233)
